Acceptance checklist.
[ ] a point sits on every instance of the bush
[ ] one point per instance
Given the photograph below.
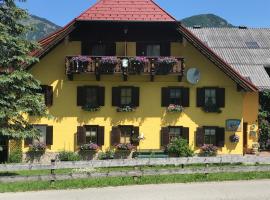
(208, 150)
(107, 155)
(15, 156)
(179, 148)
(68, 156)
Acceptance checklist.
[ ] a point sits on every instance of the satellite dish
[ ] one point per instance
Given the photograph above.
(193, 75)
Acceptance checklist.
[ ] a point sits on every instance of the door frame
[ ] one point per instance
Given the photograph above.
(245, 137)
(4, 143)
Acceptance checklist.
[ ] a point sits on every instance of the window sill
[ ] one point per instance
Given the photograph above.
(126, 109)
(212, 110)
(91, 108)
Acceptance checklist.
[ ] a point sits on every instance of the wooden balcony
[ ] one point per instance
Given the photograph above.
(126, 66)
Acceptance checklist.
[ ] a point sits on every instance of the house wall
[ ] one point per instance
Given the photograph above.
(149, 116)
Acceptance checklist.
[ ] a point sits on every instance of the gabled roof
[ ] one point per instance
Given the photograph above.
(126, 10)
(146, 11)
(246, 50)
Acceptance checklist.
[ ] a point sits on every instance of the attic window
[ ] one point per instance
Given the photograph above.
(252, 45)
(267, 69)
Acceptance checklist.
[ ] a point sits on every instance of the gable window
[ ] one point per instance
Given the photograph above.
(211, 99)
(172, 132)
(90, 96)
(267, 69)
(175, 95)
(45, 137)
(125, 96)
(124, 135)
(153, 50)
(90, 133)
(210, 135)
(252, 45)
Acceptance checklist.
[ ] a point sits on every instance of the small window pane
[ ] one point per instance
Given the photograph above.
(210, 96)
(175, 96)
(99, 50)
(126, 96)
(174, 132)
(91, 134)
(126, 132)
(153, 50)
(210, 136)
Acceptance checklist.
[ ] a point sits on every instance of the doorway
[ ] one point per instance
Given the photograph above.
(3, 149)
(245, 137)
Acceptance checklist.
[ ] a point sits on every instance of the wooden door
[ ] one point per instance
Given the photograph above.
(245, 136)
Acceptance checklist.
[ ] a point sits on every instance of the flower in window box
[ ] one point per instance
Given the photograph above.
(234, 138)
(91, 108)
(137, 64)
(165, 65)
(175, 108)
(123, 151)
(37, 147)
(124, 147)
(208, 150)
(89, 147)
(80, 63)
(88, 151)
(108, 64)
(125, 109)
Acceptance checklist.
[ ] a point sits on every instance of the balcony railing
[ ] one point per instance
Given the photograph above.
(124, 65)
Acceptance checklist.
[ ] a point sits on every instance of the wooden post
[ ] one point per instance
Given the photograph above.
(52, 171)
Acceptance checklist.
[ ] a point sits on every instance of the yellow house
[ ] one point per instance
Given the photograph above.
(123, 70)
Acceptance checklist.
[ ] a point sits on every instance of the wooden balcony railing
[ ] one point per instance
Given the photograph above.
(124, 65)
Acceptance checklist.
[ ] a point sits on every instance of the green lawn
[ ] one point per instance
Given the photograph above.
(118, 181)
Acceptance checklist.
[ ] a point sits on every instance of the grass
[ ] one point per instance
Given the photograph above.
(119, 181)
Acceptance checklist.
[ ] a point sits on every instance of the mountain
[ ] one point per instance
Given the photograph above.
(206, 20)
(41, 27)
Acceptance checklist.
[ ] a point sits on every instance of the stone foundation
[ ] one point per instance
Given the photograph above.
(44, 158)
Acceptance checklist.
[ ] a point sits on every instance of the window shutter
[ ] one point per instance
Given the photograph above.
(135, 135)
(199, 137)
(140, 49)
(100, 136)
(220, 137)
(115, 136)
(136, 96)
(116, 96)
(164, 136)
(185, 133)
(49, 135)
(81, 135)
(220, 97)
(165, 49)
(81, 96)
(49, 96)
(164, 97)
(28, 141)
(85, 48)
(110, 49)
(185, 97)
(101, 96)
(200, 97)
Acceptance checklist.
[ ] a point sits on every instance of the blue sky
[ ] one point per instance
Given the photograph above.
(251, 13)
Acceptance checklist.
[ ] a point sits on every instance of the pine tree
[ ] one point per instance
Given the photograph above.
(19, 96)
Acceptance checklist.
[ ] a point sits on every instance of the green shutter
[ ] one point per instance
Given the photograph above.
(100, 136)
(116, 96)
(164, 136)
(49, 135)
(81, 96)
(199, 137)
(185, 97)
(220, 137)
(81, 135)
(200, 97)
(164, 97)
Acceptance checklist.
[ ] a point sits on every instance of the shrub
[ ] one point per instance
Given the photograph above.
(68, 156)
(15, 156)
(124, 147)
(89, 147)
(107, 155)
(179, 148)
(37, 147)
(208, 150)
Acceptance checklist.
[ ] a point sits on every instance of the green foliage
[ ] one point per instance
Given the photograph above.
(180, 148)
(206, 20)
(264, 120)
(68, 156)
(18, 88)
(15, 156)
(108, 154)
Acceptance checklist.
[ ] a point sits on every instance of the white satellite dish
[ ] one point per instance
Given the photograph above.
(193, 75)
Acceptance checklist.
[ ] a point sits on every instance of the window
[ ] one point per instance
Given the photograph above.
(91, 134)
(174, 132)
(99, 50)
(126, 132)
(210, 97)
(175, 96)
(48, 94)
(210, 136)
(153, 50)
(267, 69)
(252, 45)
(91, 96)
(43, 132)
(126, 96)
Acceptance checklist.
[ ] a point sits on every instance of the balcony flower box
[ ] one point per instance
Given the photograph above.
(125, 109)
(172, 108)
(234, 138)
(80, 63)
(107, 65)
(123, 151)
(165, 65)
(36, 151)
(137, 65)
(91, 108)
(208, 150)
(88, 151)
